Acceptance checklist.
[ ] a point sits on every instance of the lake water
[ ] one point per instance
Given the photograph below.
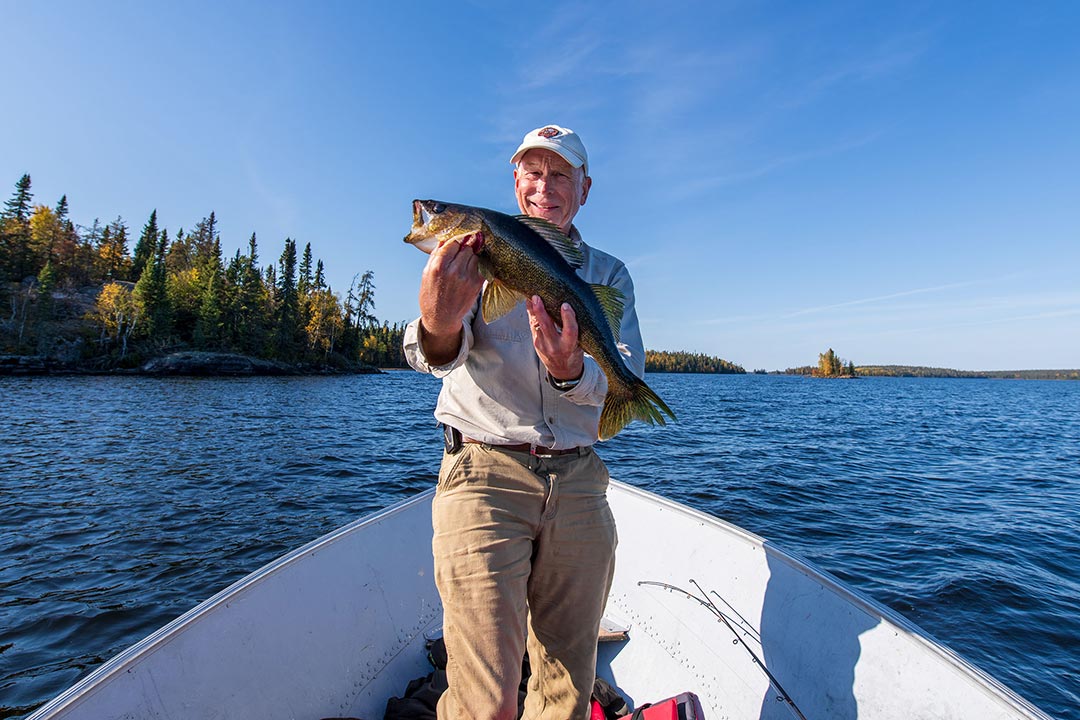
(125, 501)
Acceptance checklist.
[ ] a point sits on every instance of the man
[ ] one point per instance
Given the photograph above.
(524, 540)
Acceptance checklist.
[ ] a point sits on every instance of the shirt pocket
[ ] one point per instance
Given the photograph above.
(513, 327)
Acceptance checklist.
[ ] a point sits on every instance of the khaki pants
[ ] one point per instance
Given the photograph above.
(524, 547)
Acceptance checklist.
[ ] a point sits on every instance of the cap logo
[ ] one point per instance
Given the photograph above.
(548, 132)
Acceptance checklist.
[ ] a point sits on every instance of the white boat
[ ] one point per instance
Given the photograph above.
(337, 627)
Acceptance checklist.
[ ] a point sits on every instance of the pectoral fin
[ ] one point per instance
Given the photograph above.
(498, 300)
(611, 301)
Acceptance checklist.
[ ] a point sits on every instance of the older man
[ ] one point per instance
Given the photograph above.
(524, 540)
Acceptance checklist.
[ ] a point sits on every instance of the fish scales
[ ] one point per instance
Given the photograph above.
(521, 257)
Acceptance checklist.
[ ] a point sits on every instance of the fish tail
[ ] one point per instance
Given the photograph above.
(633, 400)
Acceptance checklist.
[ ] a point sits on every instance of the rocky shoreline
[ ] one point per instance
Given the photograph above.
(184, 363)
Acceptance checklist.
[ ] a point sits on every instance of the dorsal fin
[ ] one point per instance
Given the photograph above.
(570, 252)
(611, 300)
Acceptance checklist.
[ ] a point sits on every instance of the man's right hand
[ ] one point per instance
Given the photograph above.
(448, 289)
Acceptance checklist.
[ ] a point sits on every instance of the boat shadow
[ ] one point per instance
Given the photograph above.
(810, 642)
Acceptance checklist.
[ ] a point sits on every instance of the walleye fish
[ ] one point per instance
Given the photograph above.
(522, 256)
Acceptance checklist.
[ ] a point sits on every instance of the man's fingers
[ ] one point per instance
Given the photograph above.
(569, 324)
(538, 316)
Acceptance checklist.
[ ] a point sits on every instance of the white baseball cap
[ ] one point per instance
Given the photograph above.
(563, 141)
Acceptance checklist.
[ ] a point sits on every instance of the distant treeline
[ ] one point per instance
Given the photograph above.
(685, 362)
(918, 371)
(78, 294)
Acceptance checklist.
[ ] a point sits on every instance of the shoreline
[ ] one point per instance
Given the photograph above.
(187, 363)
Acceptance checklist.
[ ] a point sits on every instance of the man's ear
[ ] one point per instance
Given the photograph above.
(585, 189)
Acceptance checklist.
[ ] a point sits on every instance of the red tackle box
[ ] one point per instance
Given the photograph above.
(684, 706)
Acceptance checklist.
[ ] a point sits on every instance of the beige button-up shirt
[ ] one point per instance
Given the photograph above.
(497, 391)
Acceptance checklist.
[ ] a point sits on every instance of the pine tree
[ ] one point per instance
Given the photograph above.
(152, 293)
(288, 304)
(69, 253)
(113, 259)
(254, 304)
(46, 284)
(181, 255)
(145, 247)
(365, 301)
(304, 279)
(89, 241)
(15, 237)
(208, 327)
(320, 276)
(18, 207)
(62, 209)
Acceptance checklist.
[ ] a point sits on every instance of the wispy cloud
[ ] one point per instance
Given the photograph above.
(878, 299)
(889, 57)
(705, 184)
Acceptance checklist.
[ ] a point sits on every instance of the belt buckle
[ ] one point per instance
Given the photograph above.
(544, 452)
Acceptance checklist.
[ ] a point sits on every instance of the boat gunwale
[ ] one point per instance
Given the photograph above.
(74, 695)
(80, 691)
(987, 683)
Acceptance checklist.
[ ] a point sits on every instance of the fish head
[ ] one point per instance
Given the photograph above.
(436, 222)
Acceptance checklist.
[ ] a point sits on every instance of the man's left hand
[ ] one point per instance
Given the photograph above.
(558, 348)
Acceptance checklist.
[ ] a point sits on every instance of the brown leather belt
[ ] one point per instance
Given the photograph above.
(537, 450)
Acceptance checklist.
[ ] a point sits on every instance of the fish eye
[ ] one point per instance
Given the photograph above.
(439, 207)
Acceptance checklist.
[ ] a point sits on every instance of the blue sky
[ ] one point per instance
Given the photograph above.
(897, 181)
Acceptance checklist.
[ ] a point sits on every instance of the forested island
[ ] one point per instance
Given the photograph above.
(79, 300)
(685, 362)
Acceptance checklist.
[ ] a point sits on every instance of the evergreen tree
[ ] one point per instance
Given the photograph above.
(185, 288)
(69, 254)
(320, 276)
(86, 266)
(288, 305)
(254, 304)
(304, 280)
(365, 300)
(113, 251)
(152, 292)
(181, 254)
(209, 326)
(46, 284)
(18, 207)
(145, 247)
(15, 237)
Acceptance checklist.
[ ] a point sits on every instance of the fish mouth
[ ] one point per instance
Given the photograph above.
(418, 213)
(418, 236)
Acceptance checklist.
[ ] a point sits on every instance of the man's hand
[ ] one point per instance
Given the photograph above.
(448, 289)
(558, 349)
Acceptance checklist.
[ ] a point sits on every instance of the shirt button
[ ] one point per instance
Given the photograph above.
(551, 419)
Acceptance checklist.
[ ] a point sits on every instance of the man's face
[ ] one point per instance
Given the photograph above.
(548, 187)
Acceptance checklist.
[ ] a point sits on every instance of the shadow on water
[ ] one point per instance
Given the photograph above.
(810, 643)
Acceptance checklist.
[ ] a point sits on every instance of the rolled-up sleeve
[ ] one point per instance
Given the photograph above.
(414, 352)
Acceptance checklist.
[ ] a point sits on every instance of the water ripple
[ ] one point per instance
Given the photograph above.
(126, 501)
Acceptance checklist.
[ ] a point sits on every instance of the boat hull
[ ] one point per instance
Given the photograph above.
(337, 627)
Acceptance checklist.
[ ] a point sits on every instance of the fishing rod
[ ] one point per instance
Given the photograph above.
(709, 605)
